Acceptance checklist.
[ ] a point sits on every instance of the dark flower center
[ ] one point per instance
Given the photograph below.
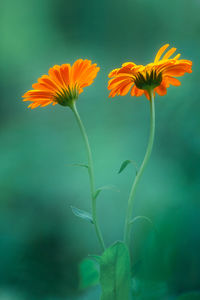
(66, 97)
(148, 80)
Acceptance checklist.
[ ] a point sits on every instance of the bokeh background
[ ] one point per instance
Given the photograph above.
(41, 241)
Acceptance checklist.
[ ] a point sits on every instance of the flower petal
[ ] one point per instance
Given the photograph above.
(136, 92)
(173, 81)
(161, 90)
(160, 52)
(169, 53)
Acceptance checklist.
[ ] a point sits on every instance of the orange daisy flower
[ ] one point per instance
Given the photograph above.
(63, 84)
(157, 75)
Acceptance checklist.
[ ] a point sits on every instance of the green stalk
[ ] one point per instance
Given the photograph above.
(91, 174)
(128, 225)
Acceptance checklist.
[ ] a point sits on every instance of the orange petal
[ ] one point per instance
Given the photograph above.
(169, 53)
(57, 73)
(37, 94)
(117, 90)
(42, 101)
(130, 70)
(173, 81)
(177, 56)
(129, 65)
(125, 89)
(45, 104)
(147, 95)
(113, 82)
(161, 90)
(34, 105)
(79, 67)
(136, 92)
(176, 71)
(41, 87)
(76, 69)
(87, 75)
(177, 67)
(113, 73)
(160, 52)
(45, 79)
(65, 72)
(53, 74)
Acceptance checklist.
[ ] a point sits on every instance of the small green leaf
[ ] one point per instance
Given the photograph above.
(141, 217)
(82, 214)
(81, 165)
(115, 273)
(96, 194)
(88, 273)
(190, 296)
(125, 164)
(144, 218)
(106, 187)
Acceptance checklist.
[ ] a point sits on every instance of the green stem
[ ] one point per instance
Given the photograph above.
(127, 233)
(91, 174)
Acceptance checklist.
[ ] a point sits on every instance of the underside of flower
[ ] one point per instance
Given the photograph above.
(67, 96)
(62, 85)
(148, 80)
(156, 76)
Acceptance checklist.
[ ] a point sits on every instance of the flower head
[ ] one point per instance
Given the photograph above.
(63, 84)
(155, 76)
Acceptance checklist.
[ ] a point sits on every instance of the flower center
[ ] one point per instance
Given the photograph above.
(148, 80)
(67, 96)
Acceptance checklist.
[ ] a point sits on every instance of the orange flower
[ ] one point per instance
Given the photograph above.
(157, 75)
(63, 84)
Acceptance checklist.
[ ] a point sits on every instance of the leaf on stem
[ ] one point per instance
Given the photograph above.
(143, 218)
(105, 187)
(88, 273)
(115, 274)
(81, 165)
(125, 164)
(82, 214)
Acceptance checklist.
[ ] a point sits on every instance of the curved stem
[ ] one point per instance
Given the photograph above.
(91, 174)
(127, 233)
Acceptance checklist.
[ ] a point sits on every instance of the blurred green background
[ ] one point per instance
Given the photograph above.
(41, 241)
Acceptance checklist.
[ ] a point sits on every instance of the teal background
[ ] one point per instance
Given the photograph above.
(41, 241)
